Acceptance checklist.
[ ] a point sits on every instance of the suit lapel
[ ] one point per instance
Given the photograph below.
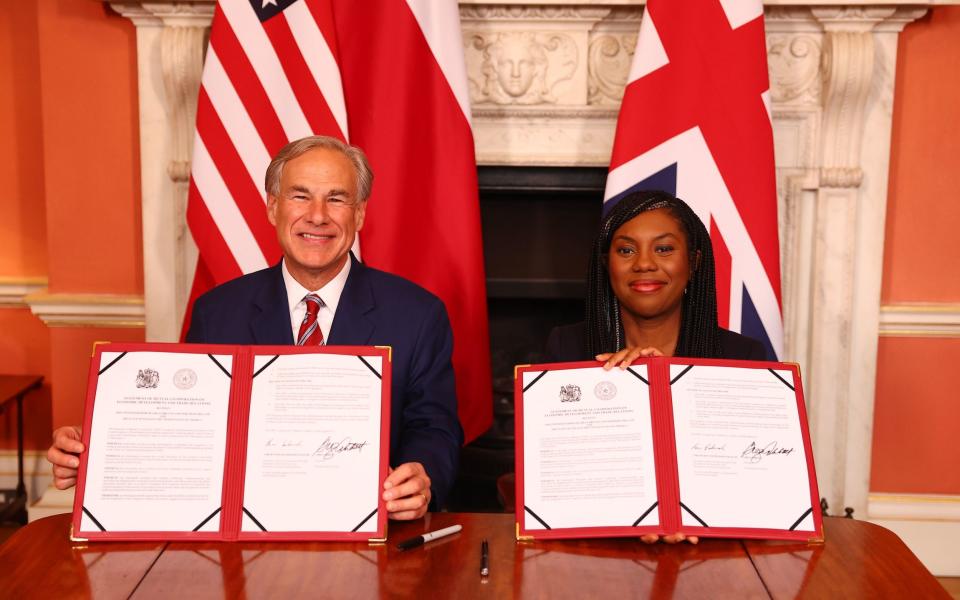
(270, 324)
(353, 323)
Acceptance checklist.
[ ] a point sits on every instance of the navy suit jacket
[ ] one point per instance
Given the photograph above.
(375, 309)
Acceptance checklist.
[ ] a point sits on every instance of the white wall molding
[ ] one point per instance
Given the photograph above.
(52, 502)
(929, 525)
(13, 290)
(87, 310)
(171, 38)
(920, 320)
(914, 507)
(36, 472)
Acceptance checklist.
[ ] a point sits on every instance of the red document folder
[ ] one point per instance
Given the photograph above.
(674, 514)
(90, 523)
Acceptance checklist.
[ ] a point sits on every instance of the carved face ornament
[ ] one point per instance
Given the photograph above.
(519, 61)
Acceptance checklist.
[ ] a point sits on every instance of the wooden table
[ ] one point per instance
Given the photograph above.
(15, 387)
(858, 560)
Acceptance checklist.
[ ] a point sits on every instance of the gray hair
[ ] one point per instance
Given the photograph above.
(300, 147)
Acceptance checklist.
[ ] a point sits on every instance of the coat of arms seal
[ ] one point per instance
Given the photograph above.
(605, 390)
(185, 379)
(570, 393)
(147, 378)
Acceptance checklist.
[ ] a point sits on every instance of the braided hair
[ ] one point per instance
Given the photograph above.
(699, 331)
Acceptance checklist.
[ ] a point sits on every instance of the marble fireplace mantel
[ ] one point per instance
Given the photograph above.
(546, 80)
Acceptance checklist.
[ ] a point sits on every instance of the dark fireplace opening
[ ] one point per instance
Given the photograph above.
(538, 226)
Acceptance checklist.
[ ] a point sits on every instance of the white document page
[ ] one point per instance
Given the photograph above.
(740, 454)
(313, 448)
(588, 449)
(157, 442)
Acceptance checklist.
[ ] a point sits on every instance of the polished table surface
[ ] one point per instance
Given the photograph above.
(858, 560)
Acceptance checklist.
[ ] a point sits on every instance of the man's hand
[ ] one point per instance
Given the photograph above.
(407, 492)
(624, 357)
(63, 455)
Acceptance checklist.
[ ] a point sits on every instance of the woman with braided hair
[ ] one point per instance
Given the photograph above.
(651, 290)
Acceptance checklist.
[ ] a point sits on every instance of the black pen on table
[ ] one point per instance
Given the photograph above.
(484, 559)
(428, 537)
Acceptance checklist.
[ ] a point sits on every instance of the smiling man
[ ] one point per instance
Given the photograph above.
(317, 190)
(317, 202)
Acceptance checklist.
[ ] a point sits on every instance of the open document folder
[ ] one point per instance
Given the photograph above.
(212, 442)
(701, 447)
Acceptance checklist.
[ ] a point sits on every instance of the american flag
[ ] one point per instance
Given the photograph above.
(385, 75)
(696, 122)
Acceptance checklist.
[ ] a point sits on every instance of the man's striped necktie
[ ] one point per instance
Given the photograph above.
(310, 334)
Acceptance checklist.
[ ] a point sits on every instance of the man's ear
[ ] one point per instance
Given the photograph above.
(272, 209)
(361, 214)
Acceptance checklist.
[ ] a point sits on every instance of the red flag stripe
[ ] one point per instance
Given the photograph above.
(423, 121)
(243, 190)
(227, 107)
(320, 59)
(217, 255)
(224, 211)
(268, 67)
(304, 86)
(323, 17)
(244, 80)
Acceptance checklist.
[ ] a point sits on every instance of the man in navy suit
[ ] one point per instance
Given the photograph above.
(317, 189)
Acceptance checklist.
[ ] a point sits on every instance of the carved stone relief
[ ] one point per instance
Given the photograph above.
(520, 68)
(794, 65)
(519, 13)
(609, 61)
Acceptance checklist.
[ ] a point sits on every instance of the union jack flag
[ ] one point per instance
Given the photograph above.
(696, 122)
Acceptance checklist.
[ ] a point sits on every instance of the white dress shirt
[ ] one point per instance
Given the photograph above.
(330, 294)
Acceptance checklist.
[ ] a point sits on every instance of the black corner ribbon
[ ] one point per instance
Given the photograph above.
(367, 518)
(93, 518)
(800, 520)
(535, 516)
(785, 382)
(111, 363)
(646, 512)
(269, 362)
(204, 522)
(682, 373)
(369, 366)
(637, 375)
(216, 362)
(693, 514)
(535, 379)
(254, 519)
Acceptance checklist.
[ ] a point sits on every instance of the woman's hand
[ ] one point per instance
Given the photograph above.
(652, 538)
(624, 357)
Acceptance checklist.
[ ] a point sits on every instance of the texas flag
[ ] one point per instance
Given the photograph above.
(386, 75)
(696, 122)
